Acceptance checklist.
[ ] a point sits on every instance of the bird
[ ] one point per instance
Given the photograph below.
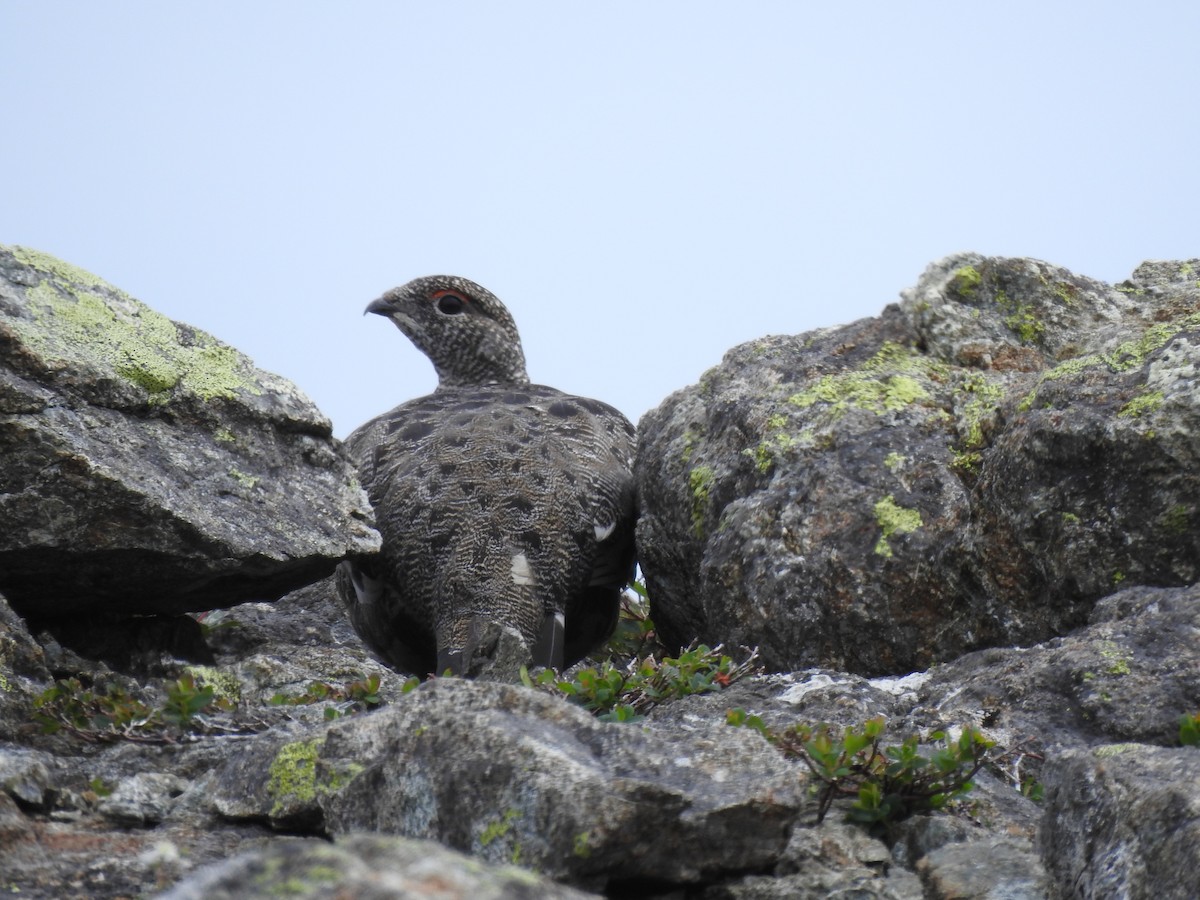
(502, 505)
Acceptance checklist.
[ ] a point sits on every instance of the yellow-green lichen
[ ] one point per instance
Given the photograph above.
(1177, 519)
(1117, 657)
(1116, 750)
(1070, 518)
(1131, 354)
(292, 777)
(769, 449)
(700, 482)
(224, 435)
(293, 774)
(1062, 370)
(1128, 355)
(1066, 292)
(76, 320)
(985, 400)
(306, 879)
(340, 775)
(1022, 319)
(320, 873)
(582, 845)
(965, 460)
(887, 382)
(966, 281)
(63, 271)
(894, 520)
(246, 481)
(894, 461)
(498, 828)
(689, 445)
(1142, 405)
(1118, 576)
(225, 685)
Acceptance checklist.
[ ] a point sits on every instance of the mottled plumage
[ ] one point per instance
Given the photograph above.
(499, 501)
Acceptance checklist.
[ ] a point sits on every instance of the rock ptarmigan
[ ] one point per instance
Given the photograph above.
(500, 502)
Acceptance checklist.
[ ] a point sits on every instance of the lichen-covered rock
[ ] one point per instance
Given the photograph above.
(371, 866)
(973, 468)
(1127, 676)
(1123, 821)
(148, 467)
(510, 774)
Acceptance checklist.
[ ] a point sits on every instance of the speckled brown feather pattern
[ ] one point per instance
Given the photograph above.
(498, 500)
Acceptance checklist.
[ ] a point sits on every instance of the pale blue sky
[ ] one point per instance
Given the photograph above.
(644, 184)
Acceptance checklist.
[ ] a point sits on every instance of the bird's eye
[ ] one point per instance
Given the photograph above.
(450, 303)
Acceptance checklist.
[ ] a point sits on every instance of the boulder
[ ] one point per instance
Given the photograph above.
(148, 467)
(513, 775)
(975, 467)
(364, 865)
(1123, 820)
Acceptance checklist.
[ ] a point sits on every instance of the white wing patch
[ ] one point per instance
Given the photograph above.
(521, 573)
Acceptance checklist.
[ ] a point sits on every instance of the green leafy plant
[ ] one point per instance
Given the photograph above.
(1189, 730)
(186, 700)
(625, 694)
(108, 714)
(346, 699)
(634, 635)
(1033, 789)
(887, 783)
(99, 787)
(97, 716)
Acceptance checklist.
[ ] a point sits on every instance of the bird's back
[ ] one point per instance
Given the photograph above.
(496, 503)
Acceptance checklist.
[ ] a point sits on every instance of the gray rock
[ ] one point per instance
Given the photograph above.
(837, 880)
(1123, 820)
(23, 672)
(992, 868)
(510, 774)
(370, 867)
(1126, 677)
(975, 467)
(143, 799)
(149, 468)
(25, 775)
(833, 859)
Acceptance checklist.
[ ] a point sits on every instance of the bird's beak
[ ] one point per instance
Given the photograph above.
(381, 307)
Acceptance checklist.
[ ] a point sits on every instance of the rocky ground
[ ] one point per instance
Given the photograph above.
(975, 515)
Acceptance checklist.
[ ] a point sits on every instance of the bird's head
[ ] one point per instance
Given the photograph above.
(464, 329)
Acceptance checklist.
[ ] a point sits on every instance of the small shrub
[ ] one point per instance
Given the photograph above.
(347, 699)
(887, 783)
(186, 700)
(634, 636)
(1189, 730)
(97, 716)
(113, 714)
(625, 694)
